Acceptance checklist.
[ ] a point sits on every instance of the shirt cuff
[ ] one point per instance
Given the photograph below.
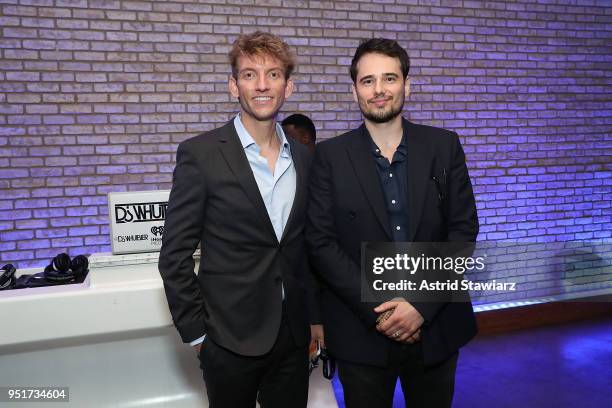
(197, 341)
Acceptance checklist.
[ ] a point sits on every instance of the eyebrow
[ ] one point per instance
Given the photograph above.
(393, 74)
(254, 69)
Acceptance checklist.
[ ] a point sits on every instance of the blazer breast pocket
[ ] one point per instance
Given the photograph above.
(440, 189)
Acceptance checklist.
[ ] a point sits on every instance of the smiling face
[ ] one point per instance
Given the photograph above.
(380, 88)
(260, 86)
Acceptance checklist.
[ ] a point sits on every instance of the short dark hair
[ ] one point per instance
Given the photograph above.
(303, 122)
(383, 46)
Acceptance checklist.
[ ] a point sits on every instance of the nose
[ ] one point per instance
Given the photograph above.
(378, 87)
(262, 83)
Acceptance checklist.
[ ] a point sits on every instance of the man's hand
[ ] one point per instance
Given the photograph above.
(316, 334)
(403, 325)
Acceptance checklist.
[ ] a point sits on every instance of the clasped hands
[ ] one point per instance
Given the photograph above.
(404, 323)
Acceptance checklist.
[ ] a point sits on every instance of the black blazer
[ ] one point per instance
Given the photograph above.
(346, 207)
(236, 298)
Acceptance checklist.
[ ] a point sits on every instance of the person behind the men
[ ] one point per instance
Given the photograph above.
(379, 183)
(301, 128)
(240, 190)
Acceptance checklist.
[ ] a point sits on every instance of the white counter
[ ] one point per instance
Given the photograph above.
(110, 340)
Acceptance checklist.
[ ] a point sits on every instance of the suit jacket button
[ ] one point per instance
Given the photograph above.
(352, 215)
(277, 280)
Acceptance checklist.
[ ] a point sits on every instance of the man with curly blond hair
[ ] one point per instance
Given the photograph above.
(240, 191)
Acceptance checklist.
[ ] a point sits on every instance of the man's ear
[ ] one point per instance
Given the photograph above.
(289, 87)
(407, 88)
(233, 86)
(354, 93)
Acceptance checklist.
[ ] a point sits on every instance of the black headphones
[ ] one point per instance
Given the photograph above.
(7, 277)
(63, 269)
(80, 266)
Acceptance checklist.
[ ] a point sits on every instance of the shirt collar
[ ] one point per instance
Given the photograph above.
(247, 140)
(401, 148)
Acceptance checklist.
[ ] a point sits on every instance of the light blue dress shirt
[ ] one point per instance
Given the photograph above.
(277, 189)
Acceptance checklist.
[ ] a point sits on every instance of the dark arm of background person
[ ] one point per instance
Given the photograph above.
(313, 284)
(314, 288)
(461, 217)
(334, 267)
(182, 232)
(314, 309)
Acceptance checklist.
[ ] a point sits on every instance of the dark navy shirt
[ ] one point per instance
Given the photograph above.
(394, 182)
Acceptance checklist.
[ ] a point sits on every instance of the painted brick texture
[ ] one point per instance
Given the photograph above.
(95, 95)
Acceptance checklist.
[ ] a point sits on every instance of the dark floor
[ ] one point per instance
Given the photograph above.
(557, 367)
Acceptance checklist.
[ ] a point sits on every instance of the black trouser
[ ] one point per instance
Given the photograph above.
(278, 379)
(368, 386)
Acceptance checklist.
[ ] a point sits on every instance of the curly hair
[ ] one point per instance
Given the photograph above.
(262, 44)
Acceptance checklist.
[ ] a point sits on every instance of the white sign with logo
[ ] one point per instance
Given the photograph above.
(137, 220)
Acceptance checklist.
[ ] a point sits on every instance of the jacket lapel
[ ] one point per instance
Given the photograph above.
(299, 163)
(419, 172)
(365, 168)
(233, 152)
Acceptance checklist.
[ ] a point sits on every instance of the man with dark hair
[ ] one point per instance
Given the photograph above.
(240, 191)
(380, 183)
(301, 128)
